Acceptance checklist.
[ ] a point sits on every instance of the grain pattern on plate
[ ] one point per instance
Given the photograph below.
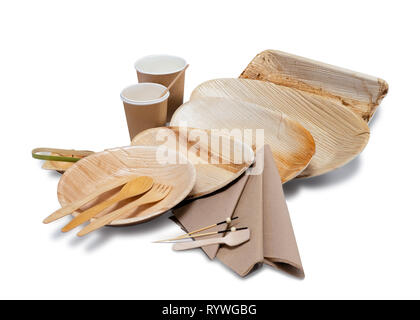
(359, 92)
(292, 145)
(216, 164)
(104, 167)
(340, 135)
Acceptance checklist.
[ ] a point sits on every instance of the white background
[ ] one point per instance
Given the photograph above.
(62, 66)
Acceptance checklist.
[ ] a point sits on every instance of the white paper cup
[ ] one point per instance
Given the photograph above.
(163, 69)
(144, 108)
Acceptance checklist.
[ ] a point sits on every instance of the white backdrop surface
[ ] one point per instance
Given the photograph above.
(62, 67)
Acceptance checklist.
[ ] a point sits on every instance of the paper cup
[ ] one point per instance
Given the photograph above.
(163, 69)
(144, 108)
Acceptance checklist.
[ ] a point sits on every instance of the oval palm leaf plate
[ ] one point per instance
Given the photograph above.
(218, 159)
(340, 135)
(292, 145)
(101, 168)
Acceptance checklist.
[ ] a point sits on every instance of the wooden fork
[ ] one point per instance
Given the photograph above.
(157, 193)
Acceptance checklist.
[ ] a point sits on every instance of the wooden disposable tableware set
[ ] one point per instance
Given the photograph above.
(314, 118)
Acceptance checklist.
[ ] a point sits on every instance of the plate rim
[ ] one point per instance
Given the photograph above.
(362, 124)
(220, 186)
(296, 123)
(133, 220)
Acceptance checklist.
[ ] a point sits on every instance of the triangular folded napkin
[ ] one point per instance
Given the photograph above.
(258, 201)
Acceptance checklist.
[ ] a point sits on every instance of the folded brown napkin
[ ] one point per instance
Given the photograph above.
(258, 202)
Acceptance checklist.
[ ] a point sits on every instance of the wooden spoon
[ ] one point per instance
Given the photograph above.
(232, 239)
(157, 193)
(70, 208)
(131, 189)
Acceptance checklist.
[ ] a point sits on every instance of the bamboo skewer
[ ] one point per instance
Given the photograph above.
(184, 236)
(231, 240)
(233, 229)
(173, 81)
(227, 221)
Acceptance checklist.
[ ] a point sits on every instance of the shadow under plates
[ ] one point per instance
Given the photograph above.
(100, 237)
(337, 176)
(105, 234)
(376, 117)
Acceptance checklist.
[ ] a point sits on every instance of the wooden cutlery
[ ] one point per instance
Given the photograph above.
(133, 188)
(73, 206)
(102, 168)
(234, 238)
(157, 193)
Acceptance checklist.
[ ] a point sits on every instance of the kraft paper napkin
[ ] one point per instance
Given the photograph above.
(209, 210)
(248, 256)
(259, 202)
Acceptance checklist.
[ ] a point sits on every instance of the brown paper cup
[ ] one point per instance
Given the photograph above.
(163, 69)
(144, 108)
